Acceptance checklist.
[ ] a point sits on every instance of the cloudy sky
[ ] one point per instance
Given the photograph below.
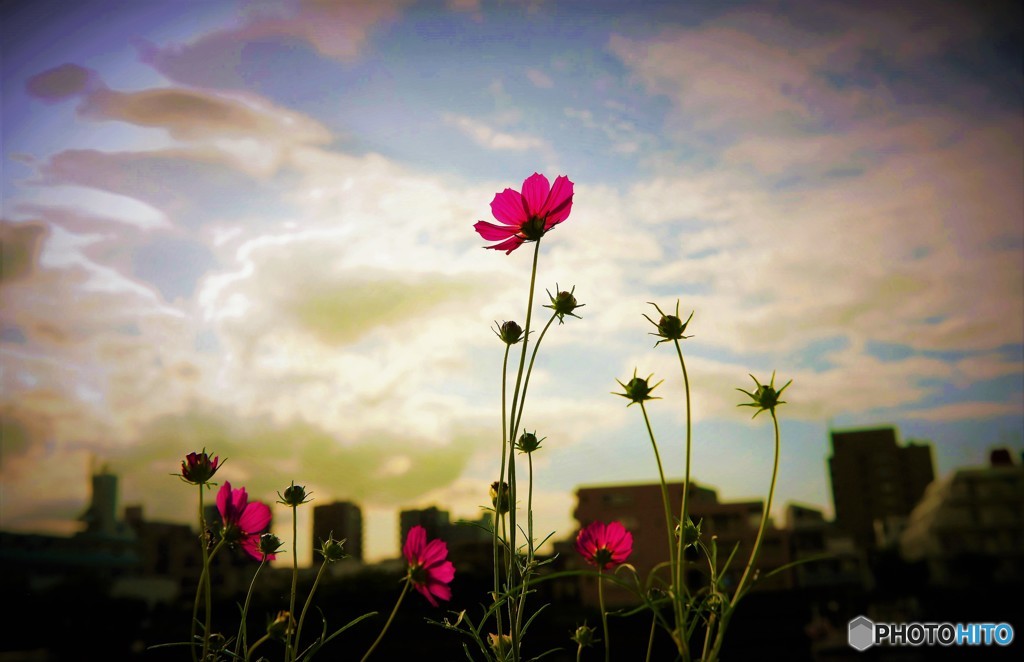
(249, 226)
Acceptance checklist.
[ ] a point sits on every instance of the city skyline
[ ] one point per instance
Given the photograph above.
(248, 226)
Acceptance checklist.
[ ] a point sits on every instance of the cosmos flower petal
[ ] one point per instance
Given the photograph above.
(492, 232)
(255, 518)
(435, 552)
(442, 591)
(444, 572)
(414, 543)
(423, 589)
(559, 202)
(508, 245)
(507, 207)
(251, 545)
(535, 193)
(224, 500)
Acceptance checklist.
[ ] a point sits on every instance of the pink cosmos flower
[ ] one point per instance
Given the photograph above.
(604, 545)
(528, 215)
(429, 570)
(243, 522)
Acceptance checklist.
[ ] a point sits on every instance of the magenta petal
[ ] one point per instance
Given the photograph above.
(223, 496)
(251, 544)
(442, 591)
(492, 232)
(434, 552)
(507, 207)
(255, 518)
(508, 245)
(535, 194)
(443, 573)
(414, 543)
(559, 202)
(426, 593)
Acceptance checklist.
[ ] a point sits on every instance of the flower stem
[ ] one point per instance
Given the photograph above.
(650, 638)
(405, 589)
(305, 607)
(664, 493)
(240, 639)
(529, 530)
(742, 587)
(289, 648)
(516, 414)
(202, 575)
(497, 501)
(681, 589)
(248, 653)
(604, 614)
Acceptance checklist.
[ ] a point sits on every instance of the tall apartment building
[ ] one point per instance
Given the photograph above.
(876, 482)
(434, 520)
(969, 527)
(343, 520)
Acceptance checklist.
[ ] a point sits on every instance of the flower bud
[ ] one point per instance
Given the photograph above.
(281, 626)
(670, 327)
(584, 635)
(509, 332)
(500, 644)
(198, 468)
(500, 497)
(564, 303)
(270, 544)
(217, 641)
(528, 442)
(294, 495)
(638, 389)
(691, 532)
(765, 397)
(332, 550)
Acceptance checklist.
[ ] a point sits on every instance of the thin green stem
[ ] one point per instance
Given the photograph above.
(513, 618)
(650, 638)
(240, 639)
(248, 653)
(529, 548)
(289, 648)
(309, 600)
(497, 501)
(202, 575)
(681, 589)
(205, 581)
(405, 589)
(529, 371)
(742, 587)
(604, 615)
(664, 494)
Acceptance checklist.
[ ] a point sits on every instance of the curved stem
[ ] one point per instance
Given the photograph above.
(248, 653)
(604, 614)
(664, 494)
(309, 600)
(740, 588)
(240, 638)
(289, 648)
(405, 589)
(681, 589)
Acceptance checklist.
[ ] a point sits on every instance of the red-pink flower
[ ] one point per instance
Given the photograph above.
(198, 468)
(242, 521)
(429, 570)
(604, 545)
(528, 215)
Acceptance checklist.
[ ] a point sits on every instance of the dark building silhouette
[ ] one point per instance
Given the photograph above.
(876, 483)
(342, 520)
(434, 520)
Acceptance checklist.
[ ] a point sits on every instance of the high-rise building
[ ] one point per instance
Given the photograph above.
(342, 520)
(876, 482)
(969, 527)
(434, 520)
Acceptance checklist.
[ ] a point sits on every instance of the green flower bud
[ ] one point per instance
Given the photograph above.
(500, 497)
(765, 397)
(281, 626)
(584, 635)
(528, 442)
(332, 550)
(295, 495)
(270, 544)
(564, 303)
(509, 332)
(638, 389)
(670, 327)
